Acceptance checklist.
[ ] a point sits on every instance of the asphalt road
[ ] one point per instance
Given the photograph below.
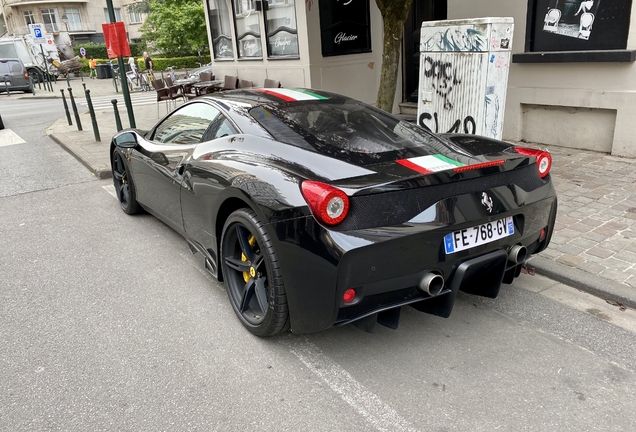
(107, 322)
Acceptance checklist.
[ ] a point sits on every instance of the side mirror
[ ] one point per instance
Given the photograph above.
(126, 140)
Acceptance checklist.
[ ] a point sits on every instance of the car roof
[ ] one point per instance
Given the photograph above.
(280, 97)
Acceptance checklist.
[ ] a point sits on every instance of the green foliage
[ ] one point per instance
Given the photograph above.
(176, 27)
(98, 50)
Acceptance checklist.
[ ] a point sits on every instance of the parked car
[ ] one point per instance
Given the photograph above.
(317, 210)
(13, 76)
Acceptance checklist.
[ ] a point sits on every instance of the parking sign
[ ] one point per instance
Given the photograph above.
(37, 31)
(82, 51)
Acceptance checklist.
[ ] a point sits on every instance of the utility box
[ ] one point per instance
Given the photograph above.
(464, 75)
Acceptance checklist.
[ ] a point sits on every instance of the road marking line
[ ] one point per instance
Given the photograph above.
(8, 137)
(111, 190)
(367, 404)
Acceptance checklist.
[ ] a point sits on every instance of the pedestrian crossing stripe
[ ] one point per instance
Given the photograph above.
(8, 137)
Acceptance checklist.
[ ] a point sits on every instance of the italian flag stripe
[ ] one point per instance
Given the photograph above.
(316, 95)
(291, 95)
(430, 164)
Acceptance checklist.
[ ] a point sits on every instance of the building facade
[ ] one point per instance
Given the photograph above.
(572, 78)
(82, 19)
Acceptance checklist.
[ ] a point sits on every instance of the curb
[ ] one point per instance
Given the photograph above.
(590, 283)
(99, 173)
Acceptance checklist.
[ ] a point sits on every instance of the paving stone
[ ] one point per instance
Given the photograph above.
(631, 248)
(569, 260)
(569, 233)
(558, 239)
(591, 267)
(627, 256)
(600, 252)
(583, 243)
(608, 232)
(580, 227)
(570, 249)
(551, 253)
(615, 275)
(592, 258)
(594, 236)
(616, 264)
(631, 281)
(567, 220)
(583, 199)
(592, 222)
(616, 225)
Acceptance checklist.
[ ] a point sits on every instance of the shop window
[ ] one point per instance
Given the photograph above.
(281, 29)
(248, 31)
(220, 26)
(573, 27)
(345, 27)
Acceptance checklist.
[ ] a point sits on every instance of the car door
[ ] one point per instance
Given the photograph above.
(159, 163)
(203, 183)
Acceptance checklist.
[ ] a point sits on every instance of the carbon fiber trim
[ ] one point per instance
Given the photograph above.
(405, 205)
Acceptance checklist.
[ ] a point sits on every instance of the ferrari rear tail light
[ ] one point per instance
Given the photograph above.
(542, 235)
(544, 159)
(479, 165)
(329, 205)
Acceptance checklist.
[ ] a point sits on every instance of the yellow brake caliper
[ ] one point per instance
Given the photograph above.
(252, 242)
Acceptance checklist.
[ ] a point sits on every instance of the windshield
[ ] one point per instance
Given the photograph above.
(350, 131)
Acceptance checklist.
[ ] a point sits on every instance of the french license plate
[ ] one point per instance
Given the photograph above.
(478, 235)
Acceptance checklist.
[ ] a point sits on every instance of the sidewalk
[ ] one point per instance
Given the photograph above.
(594, 244)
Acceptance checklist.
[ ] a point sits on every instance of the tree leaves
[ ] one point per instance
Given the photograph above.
(176, 27)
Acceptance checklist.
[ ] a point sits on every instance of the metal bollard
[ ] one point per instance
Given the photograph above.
(92, 112)
(84, 85)
(117, 119)
(68, 114)
(68, 80)
(77, 119)
(31, 85)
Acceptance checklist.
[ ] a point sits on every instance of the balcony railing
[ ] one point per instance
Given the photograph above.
(75, 28)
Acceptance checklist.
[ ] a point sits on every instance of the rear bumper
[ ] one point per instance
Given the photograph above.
(385, 265)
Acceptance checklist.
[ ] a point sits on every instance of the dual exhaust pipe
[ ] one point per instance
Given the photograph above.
(433, 284)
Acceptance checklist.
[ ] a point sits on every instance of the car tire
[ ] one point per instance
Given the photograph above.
(124, 186)
(252, 275)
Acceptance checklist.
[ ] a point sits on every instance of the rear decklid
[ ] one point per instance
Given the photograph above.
(393, 154)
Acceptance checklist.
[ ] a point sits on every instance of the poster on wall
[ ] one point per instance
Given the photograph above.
(575, 25)
(344, 27)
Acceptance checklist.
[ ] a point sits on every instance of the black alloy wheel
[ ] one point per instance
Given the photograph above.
(252, 275)
(123, 184)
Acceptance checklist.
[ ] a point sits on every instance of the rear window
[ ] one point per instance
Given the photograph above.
(10, 67)
(350, 131)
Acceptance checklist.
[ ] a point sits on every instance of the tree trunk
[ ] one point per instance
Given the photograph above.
(394, 13)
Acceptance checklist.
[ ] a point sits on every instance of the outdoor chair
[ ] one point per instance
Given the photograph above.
(270, 83)
(190, 91)
(246, 84)
(231, 82)
(163, 94)
(176, 91)
(209, 89)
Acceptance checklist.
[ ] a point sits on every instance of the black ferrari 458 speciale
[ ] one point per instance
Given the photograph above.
(317, 210)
